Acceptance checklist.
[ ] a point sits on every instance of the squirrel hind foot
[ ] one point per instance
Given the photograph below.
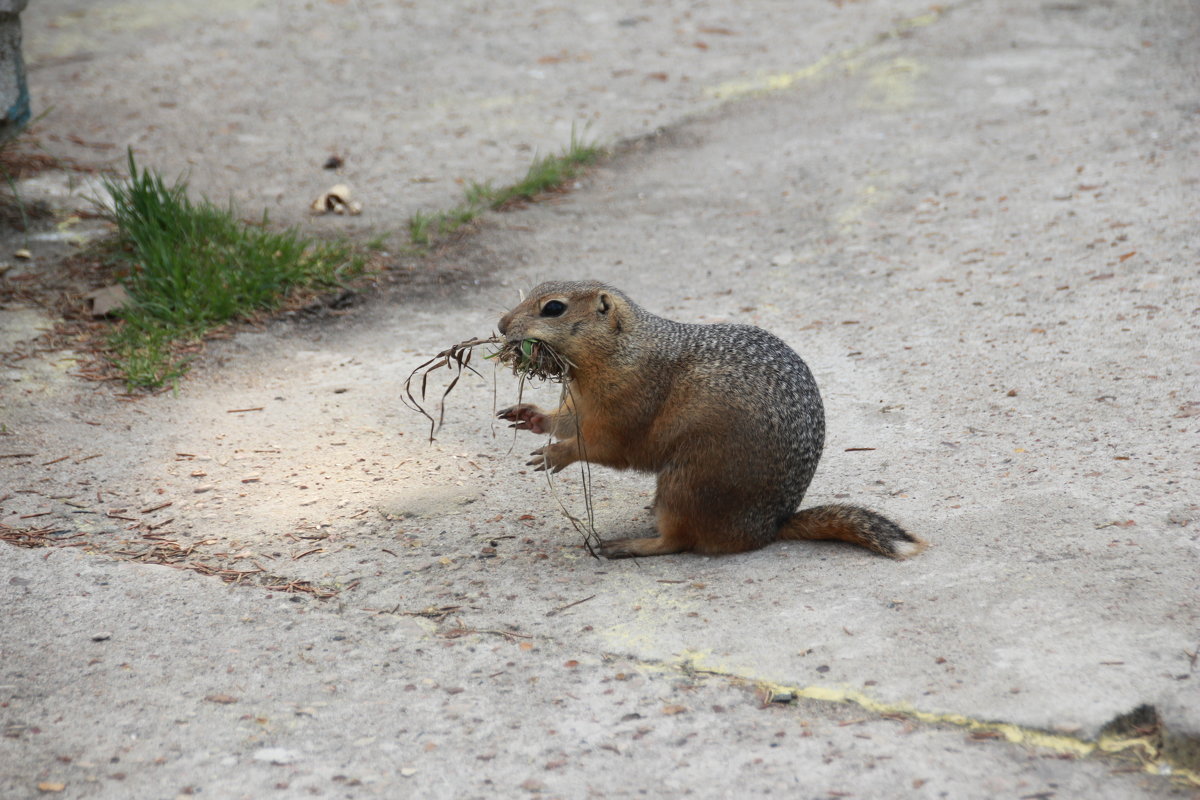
(635, 547)
(674, 536)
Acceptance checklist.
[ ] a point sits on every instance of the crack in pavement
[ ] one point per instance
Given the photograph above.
(1137, 741)
(1138, 736)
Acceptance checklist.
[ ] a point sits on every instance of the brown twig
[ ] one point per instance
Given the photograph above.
(25, 537)
(552, 612)
(434, 613)
(302, 586)
(454, 633)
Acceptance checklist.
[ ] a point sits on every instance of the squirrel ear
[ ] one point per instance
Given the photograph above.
(604, 304)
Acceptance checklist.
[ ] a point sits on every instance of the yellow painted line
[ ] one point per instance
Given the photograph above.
(651, 614)
(1016, 734)
(504, 100)
(74, 32)
(852, 214)
(654, 608)
(1143, 749)
(892, 85)
(774, 82)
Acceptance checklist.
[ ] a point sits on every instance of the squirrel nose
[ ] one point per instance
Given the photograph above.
(503, 326)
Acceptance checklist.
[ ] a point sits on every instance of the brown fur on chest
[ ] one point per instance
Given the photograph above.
(649, 429)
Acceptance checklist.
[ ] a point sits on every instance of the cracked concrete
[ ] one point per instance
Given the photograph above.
(364, 705)
(977, 233)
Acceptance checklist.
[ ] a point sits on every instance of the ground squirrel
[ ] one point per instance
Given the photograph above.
(728, 417)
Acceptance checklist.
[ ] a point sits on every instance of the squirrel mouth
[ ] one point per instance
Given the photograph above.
(533, 358)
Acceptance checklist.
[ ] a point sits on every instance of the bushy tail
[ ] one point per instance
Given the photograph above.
(855, 525)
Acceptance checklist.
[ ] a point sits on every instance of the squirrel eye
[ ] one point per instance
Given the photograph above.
(555, 308)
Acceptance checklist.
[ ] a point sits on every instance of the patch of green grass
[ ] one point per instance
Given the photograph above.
(377, 243)
(147, 355)
(548, 173)
(192, 266)
(425, 229)
(545, 174)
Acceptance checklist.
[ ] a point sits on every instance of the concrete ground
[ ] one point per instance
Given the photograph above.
(977, 223)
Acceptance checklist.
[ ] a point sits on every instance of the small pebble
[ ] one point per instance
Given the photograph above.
(102, 636)
(1179, 517)
(276, 755)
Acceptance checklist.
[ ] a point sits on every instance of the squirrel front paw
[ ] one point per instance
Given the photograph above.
(526, 417)
(552, 457)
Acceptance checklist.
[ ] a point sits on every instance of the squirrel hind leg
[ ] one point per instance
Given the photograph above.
(674, 536)
(855, 525)
(679, 532)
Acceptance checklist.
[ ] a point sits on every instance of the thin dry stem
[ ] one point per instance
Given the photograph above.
(530, 359)
(458, 356)
(591, 539)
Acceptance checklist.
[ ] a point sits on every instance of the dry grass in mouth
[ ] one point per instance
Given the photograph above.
(533, 358)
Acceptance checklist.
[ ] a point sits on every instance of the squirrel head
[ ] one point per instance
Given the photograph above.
(572, 317)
